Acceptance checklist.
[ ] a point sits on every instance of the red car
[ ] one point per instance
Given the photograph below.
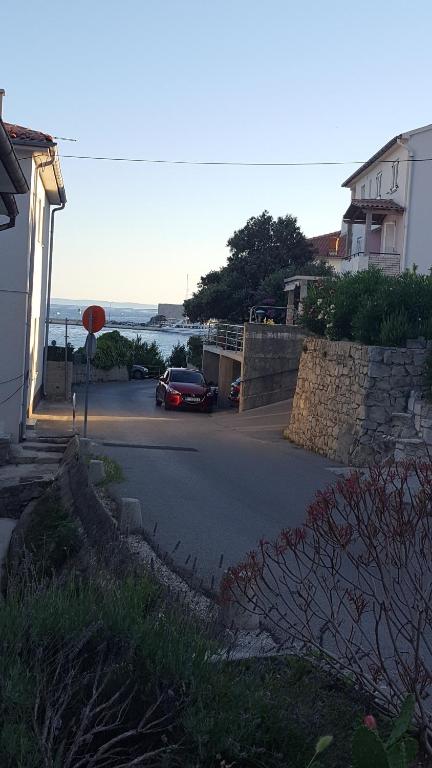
(182, 387)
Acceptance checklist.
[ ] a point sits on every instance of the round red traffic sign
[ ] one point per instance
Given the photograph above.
(93, 318)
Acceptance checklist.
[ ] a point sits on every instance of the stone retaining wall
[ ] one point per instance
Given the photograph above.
(117, 373)
(347, 395)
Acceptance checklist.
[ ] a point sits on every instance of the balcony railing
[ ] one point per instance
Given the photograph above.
(388, 262)
(226, 336)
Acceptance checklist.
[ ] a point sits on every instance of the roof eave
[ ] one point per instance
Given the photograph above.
(372, 160)
(11, 163)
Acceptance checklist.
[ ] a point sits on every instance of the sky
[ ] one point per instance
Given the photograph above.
(232, 80)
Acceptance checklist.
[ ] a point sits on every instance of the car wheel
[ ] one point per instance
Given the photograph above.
(138, 375)
(158, 403)
(167, 406)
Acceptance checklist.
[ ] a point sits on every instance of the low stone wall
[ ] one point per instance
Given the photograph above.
(116, 373)
(348, 395)
(270, 363)
(57, 386)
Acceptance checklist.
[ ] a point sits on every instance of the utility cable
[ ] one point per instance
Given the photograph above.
(2, 402)
(8, 381)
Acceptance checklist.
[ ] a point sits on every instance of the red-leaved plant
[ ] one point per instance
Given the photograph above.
(355, 584)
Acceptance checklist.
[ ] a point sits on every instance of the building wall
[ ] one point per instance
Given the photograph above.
(270, 363)
(347, 394)
(15, 247)
(419, 241)
(171, 311)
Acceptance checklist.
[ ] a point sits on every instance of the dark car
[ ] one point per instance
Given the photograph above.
(184, 388)
(234, 395)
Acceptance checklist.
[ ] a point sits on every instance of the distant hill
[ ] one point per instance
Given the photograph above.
(84, 302)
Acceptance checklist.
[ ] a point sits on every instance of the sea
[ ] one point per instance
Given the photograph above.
(116, 313)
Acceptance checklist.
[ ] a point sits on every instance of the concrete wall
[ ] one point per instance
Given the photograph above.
(347, 396)
(418, 235)
(57, 386)
(99, 375)
(270, 365)
(14, 261)
(30, 235)
(222, 367)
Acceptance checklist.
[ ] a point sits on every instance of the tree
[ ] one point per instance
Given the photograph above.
(178, 356)
(263, 247)
(195, 351)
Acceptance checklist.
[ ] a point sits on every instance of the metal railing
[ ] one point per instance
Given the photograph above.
(227, 336)
(387, 261)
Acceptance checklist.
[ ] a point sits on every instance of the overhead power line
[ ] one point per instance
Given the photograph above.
(235, 162)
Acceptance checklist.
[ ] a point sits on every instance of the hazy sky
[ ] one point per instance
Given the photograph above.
(199, 80)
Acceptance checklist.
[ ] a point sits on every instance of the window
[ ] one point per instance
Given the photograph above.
(182, 376)
(363, 191)
(378, 179)
(395, 174)
(370, 189)
(359, 245)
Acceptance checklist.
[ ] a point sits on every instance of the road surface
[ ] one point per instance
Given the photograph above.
(215, 483)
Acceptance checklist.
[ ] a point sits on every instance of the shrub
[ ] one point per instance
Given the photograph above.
(113, 349)
(368, 305)
(355, 584)
(195, 351)
(52, 535)
(178, 356)
(395, 330)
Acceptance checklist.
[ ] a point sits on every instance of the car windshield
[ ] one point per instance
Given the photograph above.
(187, 377)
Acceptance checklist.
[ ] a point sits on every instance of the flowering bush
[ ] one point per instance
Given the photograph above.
(355, 584)
(370, 307)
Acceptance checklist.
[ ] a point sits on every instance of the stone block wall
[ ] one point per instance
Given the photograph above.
(117, 373)
(347, 396)
(57, 387)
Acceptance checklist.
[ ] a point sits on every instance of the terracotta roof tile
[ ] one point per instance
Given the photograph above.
(325, 245)
(19, 133)
(377, 203)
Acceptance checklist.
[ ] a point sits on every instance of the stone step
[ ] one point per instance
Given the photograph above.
(57, 439)
(35, 445)
(14, 474)
(36, 457)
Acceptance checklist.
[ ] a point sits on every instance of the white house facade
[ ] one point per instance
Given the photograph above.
(25, 273)
(387, 224)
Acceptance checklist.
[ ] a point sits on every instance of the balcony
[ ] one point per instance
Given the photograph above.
(387, 262)
(226, 336)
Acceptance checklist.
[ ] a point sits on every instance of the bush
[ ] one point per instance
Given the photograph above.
(178, 357)
(395, 330)
(52, 536)
(369, 306)
(195, 351)
(113, 349)
(89, 666)
(354, 584)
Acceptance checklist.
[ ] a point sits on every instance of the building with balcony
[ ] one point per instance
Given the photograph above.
(386, 224)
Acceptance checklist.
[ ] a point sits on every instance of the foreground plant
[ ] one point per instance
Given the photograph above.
(355, 584)
(398, 751)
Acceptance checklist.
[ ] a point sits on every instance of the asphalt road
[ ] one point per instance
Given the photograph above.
(215, 483)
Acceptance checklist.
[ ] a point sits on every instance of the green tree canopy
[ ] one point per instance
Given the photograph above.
(263, 247)
(178, 356)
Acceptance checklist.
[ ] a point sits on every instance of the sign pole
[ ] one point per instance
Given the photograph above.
(90, 327)
(66, 359)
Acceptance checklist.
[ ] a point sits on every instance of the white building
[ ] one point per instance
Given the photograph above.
(25, 276)
(387, 223)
